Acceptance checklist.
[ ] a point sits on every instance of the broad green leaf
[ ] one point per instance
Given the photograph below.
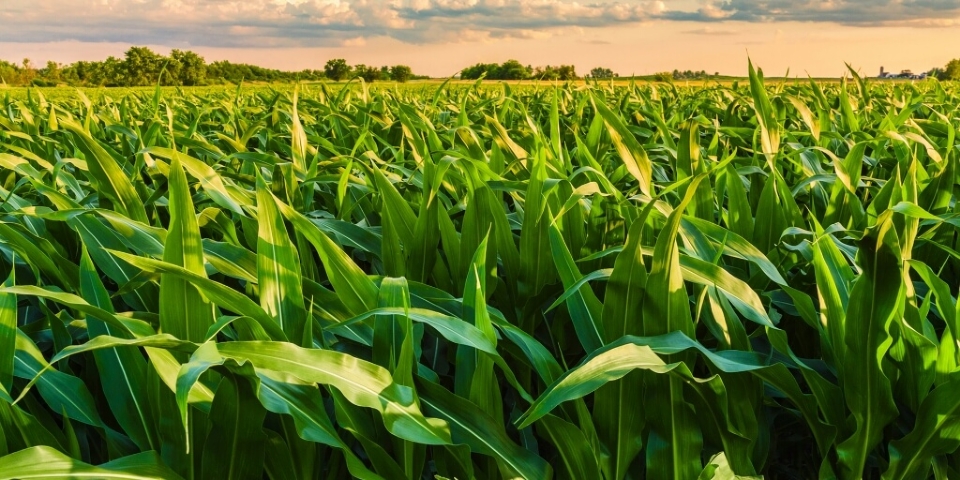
(362, 383)
(358, 293)
(481, 433)
(122, 370)
(107, 174)
(875, 301)
(278, 271)
(184, 312)
(628, 148)
(236, 418)
(47, 462)
(583, 305)
(8, 334)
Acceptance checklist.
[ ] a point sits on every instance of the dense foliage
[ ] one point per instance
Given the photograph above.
(482, 282)
(514, 70)
(141, 66)
(951, 71)
(602, 72)
(691, 75)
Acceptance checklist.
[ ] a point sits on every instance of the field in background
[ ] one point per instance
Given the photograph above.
(64, 92)
(623, 280)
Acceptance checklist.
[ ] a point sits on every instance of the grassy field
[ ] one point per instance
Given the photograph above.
(625, 280)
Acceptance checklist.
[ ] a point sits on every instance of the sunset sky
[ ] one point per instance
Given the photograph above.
(439, 37)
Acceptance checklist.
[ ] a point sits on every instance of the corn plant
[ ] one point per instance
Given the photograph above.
(482, 281)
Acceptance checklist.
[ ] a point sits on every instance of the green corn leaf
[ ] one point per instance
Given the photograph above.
(278, 271)
(123, 370)
(574, 452)
(107, 174)
(633, 155)
(236, 418)
(216, 292)
(584, 306)
(281, 393)
(875, 301)
(619, 426)
(8, 335)
(766, 117)
(362, 383)
(47, 462)
(934, 433)
(184, 313)
(481, 433)
(358, 293)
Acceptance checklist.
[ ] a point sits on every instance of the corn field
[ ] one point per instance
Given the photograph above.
(454, 282)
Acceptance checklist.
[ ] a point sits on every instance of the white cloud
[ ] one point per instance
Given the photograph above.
(273, 23)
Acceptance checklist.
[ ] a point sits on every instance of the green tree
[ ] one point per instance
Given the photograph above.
(192, 67)
(141, 66)
(566, 72)
(336, 69)
(52, 71)
(9, 72)
(601, 72)
(400, 73)
(110, 73)
(490, 70)
(951, 71)
(545, 73)
(368, 74)
(27, 73)
(513, 70)
(663, 77)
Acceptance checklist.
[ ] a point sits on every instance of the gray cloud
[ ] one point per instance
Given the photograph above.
(846, 12)
(266, 23)
(286, 23)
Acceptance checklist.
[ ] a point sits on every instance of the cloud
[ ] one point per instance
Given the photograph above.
(845, 12)
(299, 23)
(710, 32)
(272, 23)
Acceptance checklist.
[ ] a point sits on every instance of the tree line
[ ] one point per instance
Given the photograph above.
(141, 66)
(949, 72)
(514, 70)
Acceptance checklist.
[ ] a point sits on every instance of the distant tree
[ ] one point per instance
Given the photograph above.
(141, 66)
(662, 76)
(192, 69)
(601, 72)
(566, 72)
(951, 71)
(549, 72)
(689, 75)
(545, 73)
(336, 69)
(9, 72)
(27, 73)
(489, 70)
(400, 73)
(368, 74)
(51, 72)
(513, 70)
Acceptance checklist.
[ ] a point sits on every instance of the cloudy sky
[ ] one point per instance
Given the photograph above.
(438, 37)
